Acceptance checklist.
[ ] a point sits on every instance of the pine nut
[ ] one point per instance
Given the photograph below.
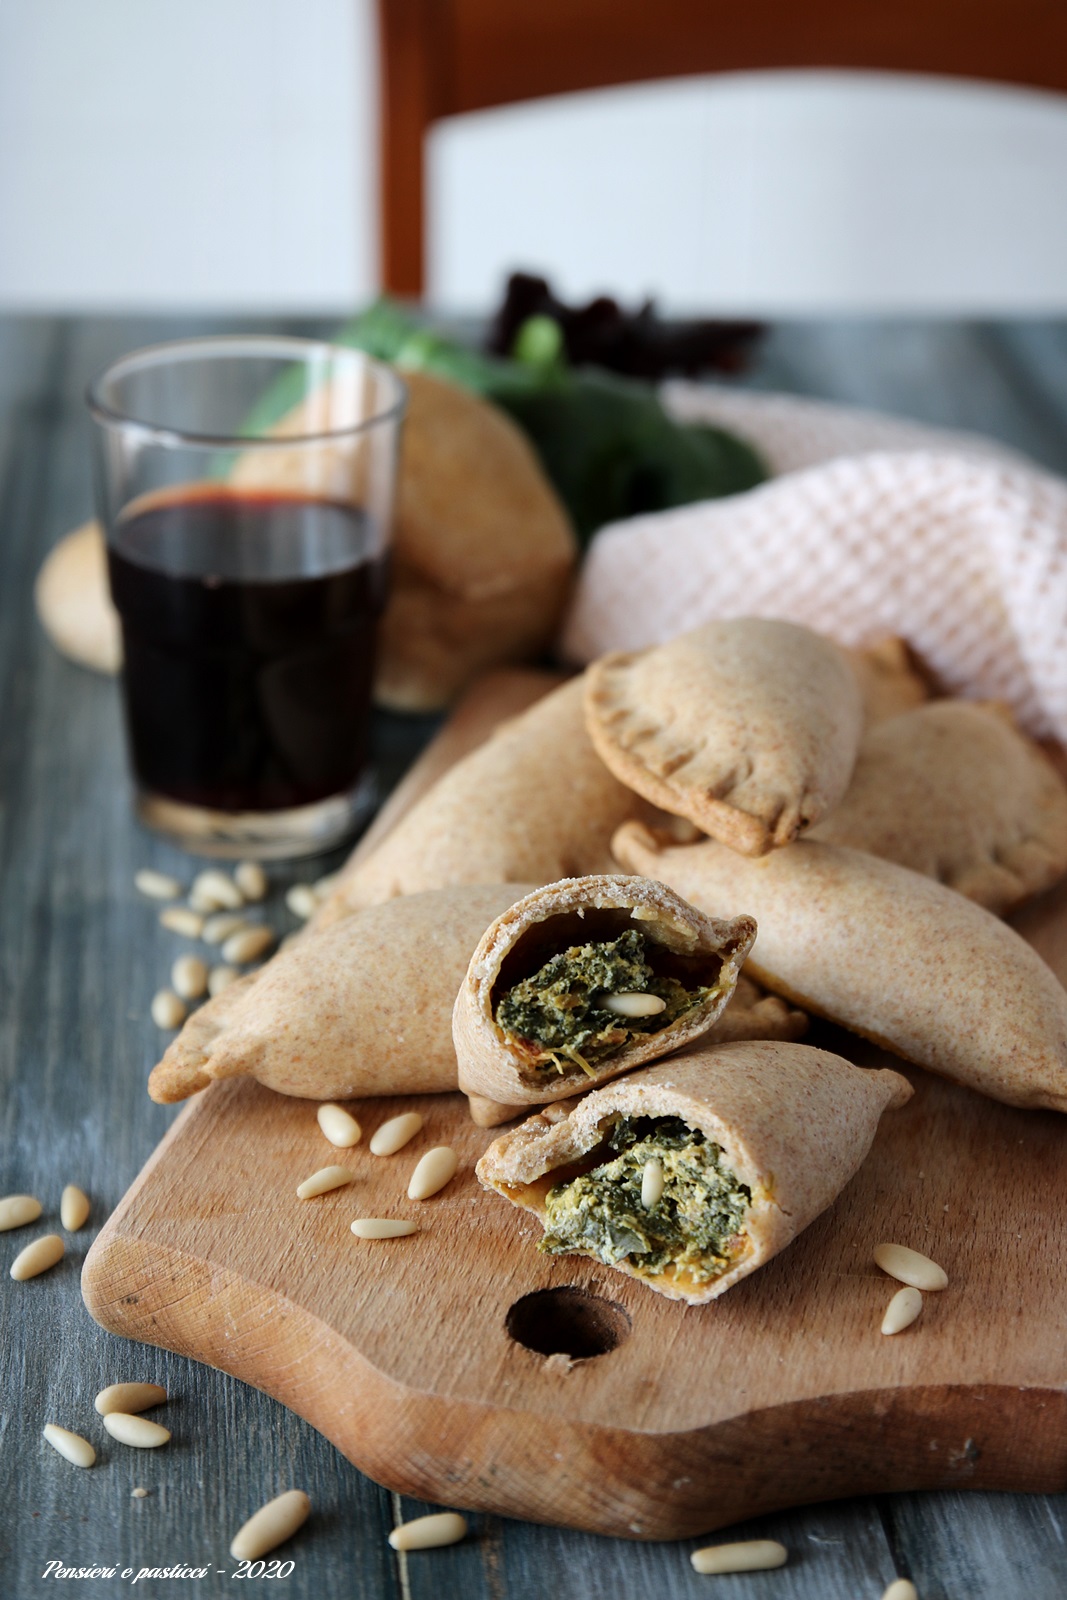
(633, 1005)
(138, 1494)
(78, 1451)
(251, 880)
(74, 1208)
(383, 1228)
(220, 978)
(429, 1533)
(129, 1397)
(750, 1555)
(302, 901)
(272, 1524)
(395, 1134)
(18, 1209)
(901, 1589)
(221, 924)
(37, 1257)
(189, 977)
(179, 919)
(323, 1181)
(247, 945)
(902, 1310)
(908, 1266)
(651, 1184)
(215, 886)
(167, 1009)
(339, 1126)
(136, 1431)
(157, 885)
(437, 1167)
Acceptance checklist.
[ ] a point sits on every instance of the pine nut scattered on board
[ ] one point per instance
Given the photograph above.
(188, 975)
(129, 1398)
(908, 1266)
(220, 978)
(248, 944)
(902, 1310)
(78, 1451)
(651, 1184)
(18, 1209)
(157, 885)
(751, 1555)
(429, 1533)
(302, 900)
(383, 1228)
(271, 1525)
(901, 1589)
(633, 1005)
(221, 924)
(167, 1010)
(395, 1134)
(179, 919)
(216, 887)
(339, 1126)
(323, 1181)
(37, 1257)
(74, 1208)
(436, 1168)
(136, 1431)
(138, 1494)
(251, 880)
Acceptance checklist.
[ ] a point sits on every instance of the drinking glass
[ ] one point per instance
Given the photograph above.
(246, 490)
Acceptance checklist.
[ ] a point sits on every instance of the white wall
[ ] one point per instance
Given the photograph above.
(187, 153)
(222, 154)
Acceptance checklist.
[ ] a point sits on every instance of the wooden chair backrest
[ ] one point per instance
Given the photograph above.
(442, 57)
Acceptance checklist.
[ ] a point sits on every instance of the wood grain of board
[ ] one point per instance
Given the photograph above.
(783, 1392)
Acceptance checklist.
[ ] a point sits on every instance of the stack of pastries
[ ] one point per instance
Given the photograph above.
(615, 916)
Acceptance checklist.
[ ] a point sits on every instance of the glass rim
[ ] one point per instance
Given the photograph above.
(283, 346)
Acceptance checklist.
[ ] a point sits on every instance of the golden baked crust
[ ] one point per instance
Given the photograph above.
(360, 1007)
(494, 1065)
(749, 728)
(953, 790)
(793, 1123)
(73, 602)
(892, 955)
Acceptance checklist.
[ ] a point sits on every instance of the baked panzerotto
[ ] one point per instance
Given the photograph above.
(889, 680)
(588, 978)
(360, 1007)
(749, 728)
(533, 804)
(888, 953)
(691, 1174)
(954, 791)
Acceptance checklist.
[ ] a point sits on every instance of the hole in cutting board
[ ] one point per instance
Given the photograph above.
(567, 1321)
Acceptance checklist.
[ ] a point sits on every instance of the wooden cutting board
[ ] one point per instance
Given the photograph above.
(441, 1364)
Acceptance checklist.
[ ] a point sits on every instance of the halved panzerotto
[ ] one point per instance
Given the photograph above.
(587, 978)
(691, 1174)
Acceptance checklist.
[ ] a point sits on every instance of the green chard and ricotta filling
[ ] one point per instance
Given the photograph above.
(558, 1015)
(695, 1224)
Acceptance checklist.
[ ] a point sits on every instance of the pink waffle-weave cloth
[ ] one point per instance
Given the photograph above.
(869, 526)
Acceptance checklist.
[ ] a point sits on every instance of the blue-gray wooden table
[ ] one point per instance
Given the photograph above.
(80, 957)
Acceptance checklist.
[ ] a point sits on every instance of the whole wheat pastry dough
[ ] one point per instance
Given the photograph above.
(483, 551)
(749, 728)
(889, 679)
(362, 1007)
(750, 1013)
(890, 954)
(780, 1129)
(532, 805)
(534, 1018)
(955, 792)
(73, 603)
